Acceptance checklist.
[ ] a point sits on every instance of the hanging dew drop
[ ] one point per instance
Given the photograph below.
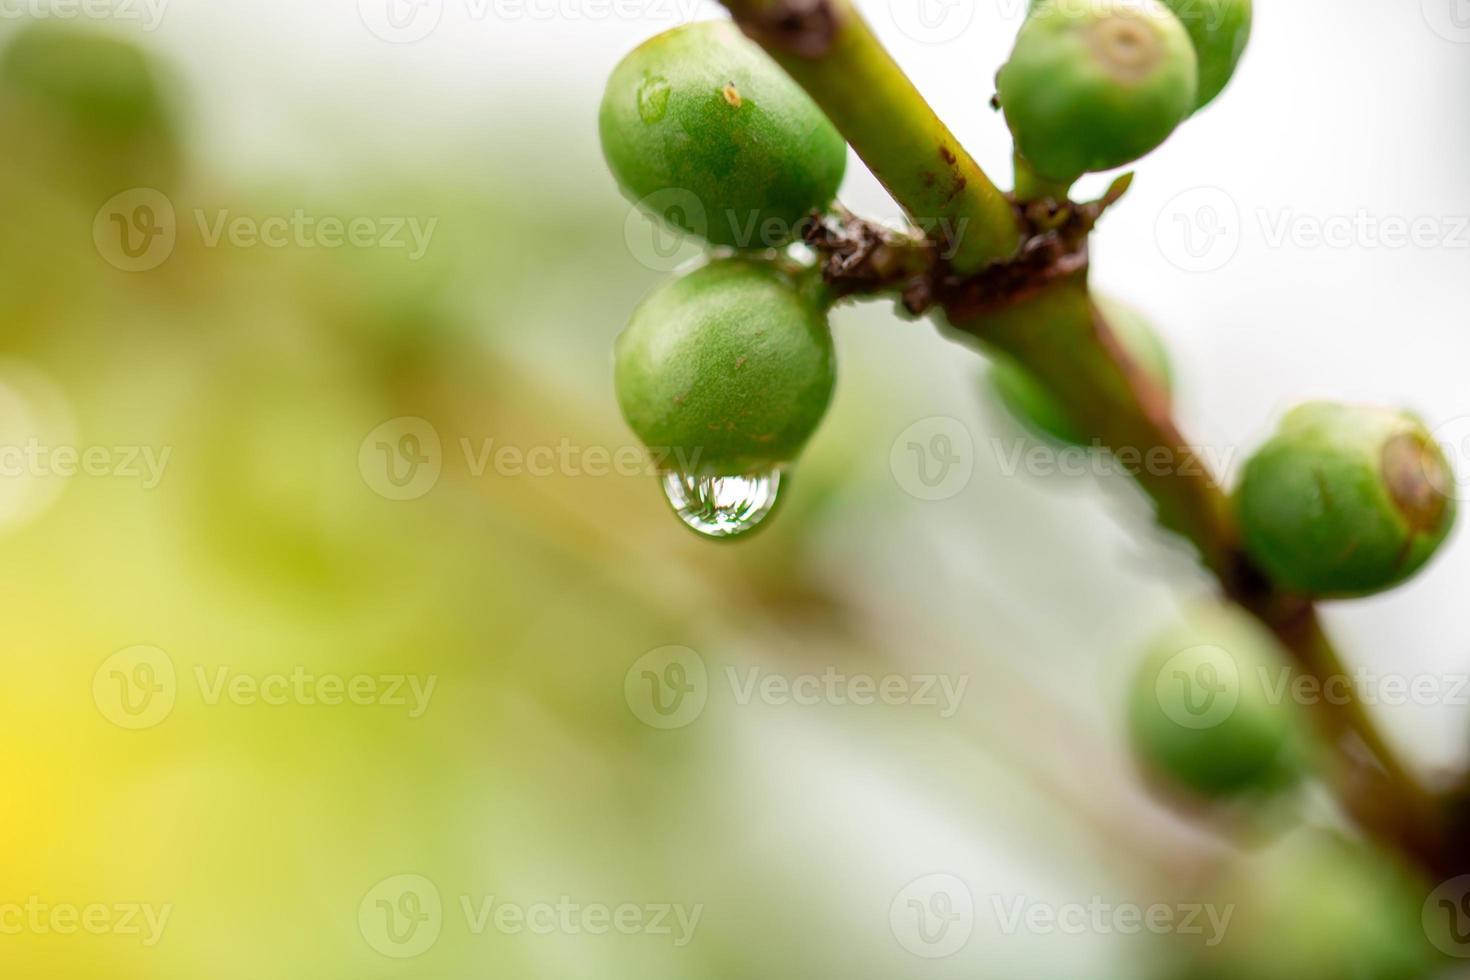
(722, 506)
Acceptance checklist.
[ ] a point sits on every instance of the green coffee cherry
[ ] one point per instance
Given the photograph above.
(1315, 907)
(1030, 403)
(1219, 30)
(702, 127)
(1210, 712)
(727, 370)
(1345, 500)
(1093, 86)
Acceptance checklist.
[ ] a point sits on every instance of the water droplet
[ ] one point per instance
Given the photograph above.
(653, 98)
(722, 506)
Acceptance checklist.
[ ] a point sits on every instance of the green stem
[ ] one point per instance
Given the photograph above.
(1060, 336)
(1062, 340)
(1031, 186)
(1055, 331)
(838, 60)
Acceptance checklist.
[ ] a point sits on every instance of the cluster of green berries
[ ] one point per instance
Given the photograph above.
(1096, 84)
(727, 370)
(1342, 501)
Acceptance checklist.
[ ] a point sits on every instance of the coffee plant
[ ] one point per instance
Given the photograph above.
(736, 133)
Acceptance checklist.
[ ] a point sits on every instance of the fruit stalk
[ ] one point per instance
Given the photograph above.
(1047, 322)
(1063, 338)
(830, 51)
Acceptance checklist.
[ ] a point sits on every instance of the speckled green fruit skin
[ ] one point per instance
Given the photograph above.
(1345, 500)
(99, 83)
(726, 371)
(1315, 906)
(740, 152)
(1211, 748)
(1219, 30)
(1095, 85)
(1028, 401)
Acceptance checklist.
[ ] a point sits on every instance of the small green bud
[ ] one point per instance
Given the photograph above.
(727, 370)
(700, 125)
(1209, 711)
(1345, 500)
(1095, 85)
(1027, 399)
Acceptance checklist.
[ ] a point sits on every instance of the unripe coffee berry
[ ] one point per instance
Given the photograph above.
(1028, 400)
(727, 370)
(701, 126)
(1345, 500)
(1219, 30)
(1096, 85)
(1203, 716)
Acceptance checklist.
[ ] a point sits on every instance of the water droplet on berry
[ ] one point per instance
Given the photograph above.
(653, 98)
(722, 506)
